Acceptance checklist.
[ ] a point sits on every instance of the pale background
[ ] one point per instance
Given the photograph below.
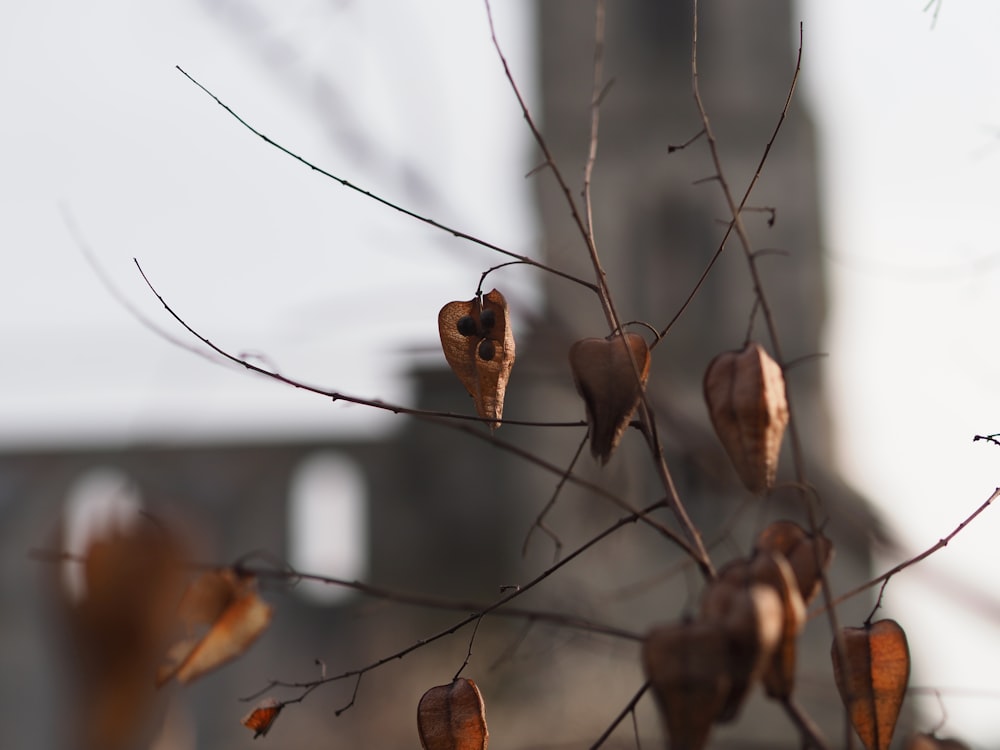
(408, 100)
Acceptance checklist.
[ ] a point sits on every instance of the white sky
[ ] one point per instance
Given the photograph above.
(261, 255)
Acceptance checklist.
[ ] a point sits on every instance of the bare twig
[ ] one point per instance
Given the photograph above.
(629, 708)
(941, 544)
(389, 204)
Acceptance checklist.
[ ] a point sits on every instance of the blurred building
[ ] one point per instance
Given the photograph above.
(442, 513)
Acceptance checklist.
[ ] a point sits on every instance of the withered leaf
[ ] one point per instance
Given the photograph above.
(687, 666)
(453, 717)
(236, 616)
(745, 393)
(800, 548)
(479, 346)
(262, 716)
(872, 679)
(605, 378)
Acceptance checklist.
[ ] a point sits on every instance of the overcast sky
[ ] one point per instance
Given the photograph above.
(408, 100)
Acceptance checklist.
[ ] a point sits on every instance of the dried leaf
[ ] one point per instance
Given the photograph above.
(233, 633)
(799, 547)
(453, 717)
(872, 680)
(605, 377)
(687, 667)
(479, 346)
(751, 615)
(236, 616)
(262, 716)
(745, 393)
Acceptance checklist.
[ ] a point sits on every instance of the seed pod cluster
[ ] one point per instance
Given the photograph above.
(605, 374)
(746, 631)
(745, 393)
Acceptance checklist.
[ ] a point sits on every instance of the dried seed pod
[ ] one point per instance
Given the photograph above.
(751, 615)
(688, 669)
(453, 717)
(779, 672)
(745, 393)
(484, 377)
(799, 547)
(605, 377)
(872, 679)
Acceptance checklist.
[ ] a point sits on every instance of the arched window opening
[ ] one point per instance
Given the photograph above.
(103, 498)
(328, 524)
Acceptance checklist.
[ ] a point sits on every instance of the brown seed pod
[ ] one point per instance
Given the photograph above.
(751, 615)
(872, 679)
(604, 376)
(745, 393)
(479, 347)
(779, 672)
(799, 547)
(453, 717)
(688, 669)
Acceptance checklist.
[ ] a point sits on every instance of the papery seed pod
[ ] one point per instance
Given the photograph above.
(688, 669)
(745, 393)
(453, 717)
(484, 377)
(751, 615)
(262, 717)
(605, 377)
(779, 672)
(872, 679)
(800, 548)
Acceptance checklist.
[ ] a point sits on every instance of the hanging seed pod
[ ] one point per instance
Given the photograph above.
(745, 393)
(799, 547)
(872, 679)
(779, 672)
(687, 667)
(750, 614)
(605, 378)
(479, 346)
(453, 717)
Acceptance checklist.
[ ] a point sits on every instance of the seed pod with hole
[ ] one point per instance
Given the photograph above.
(466, 342)
(800, 548)
(745, 393)
(871, 678)
(453, 717)
(688, 670)
(609, 374)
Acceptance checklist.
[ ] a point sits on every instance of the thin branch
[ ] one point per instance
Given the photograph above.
(540, 520)
(811, 734)
(629, 708)
(389, 204)
(480, 611)
(941, 544)
(595, 112)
